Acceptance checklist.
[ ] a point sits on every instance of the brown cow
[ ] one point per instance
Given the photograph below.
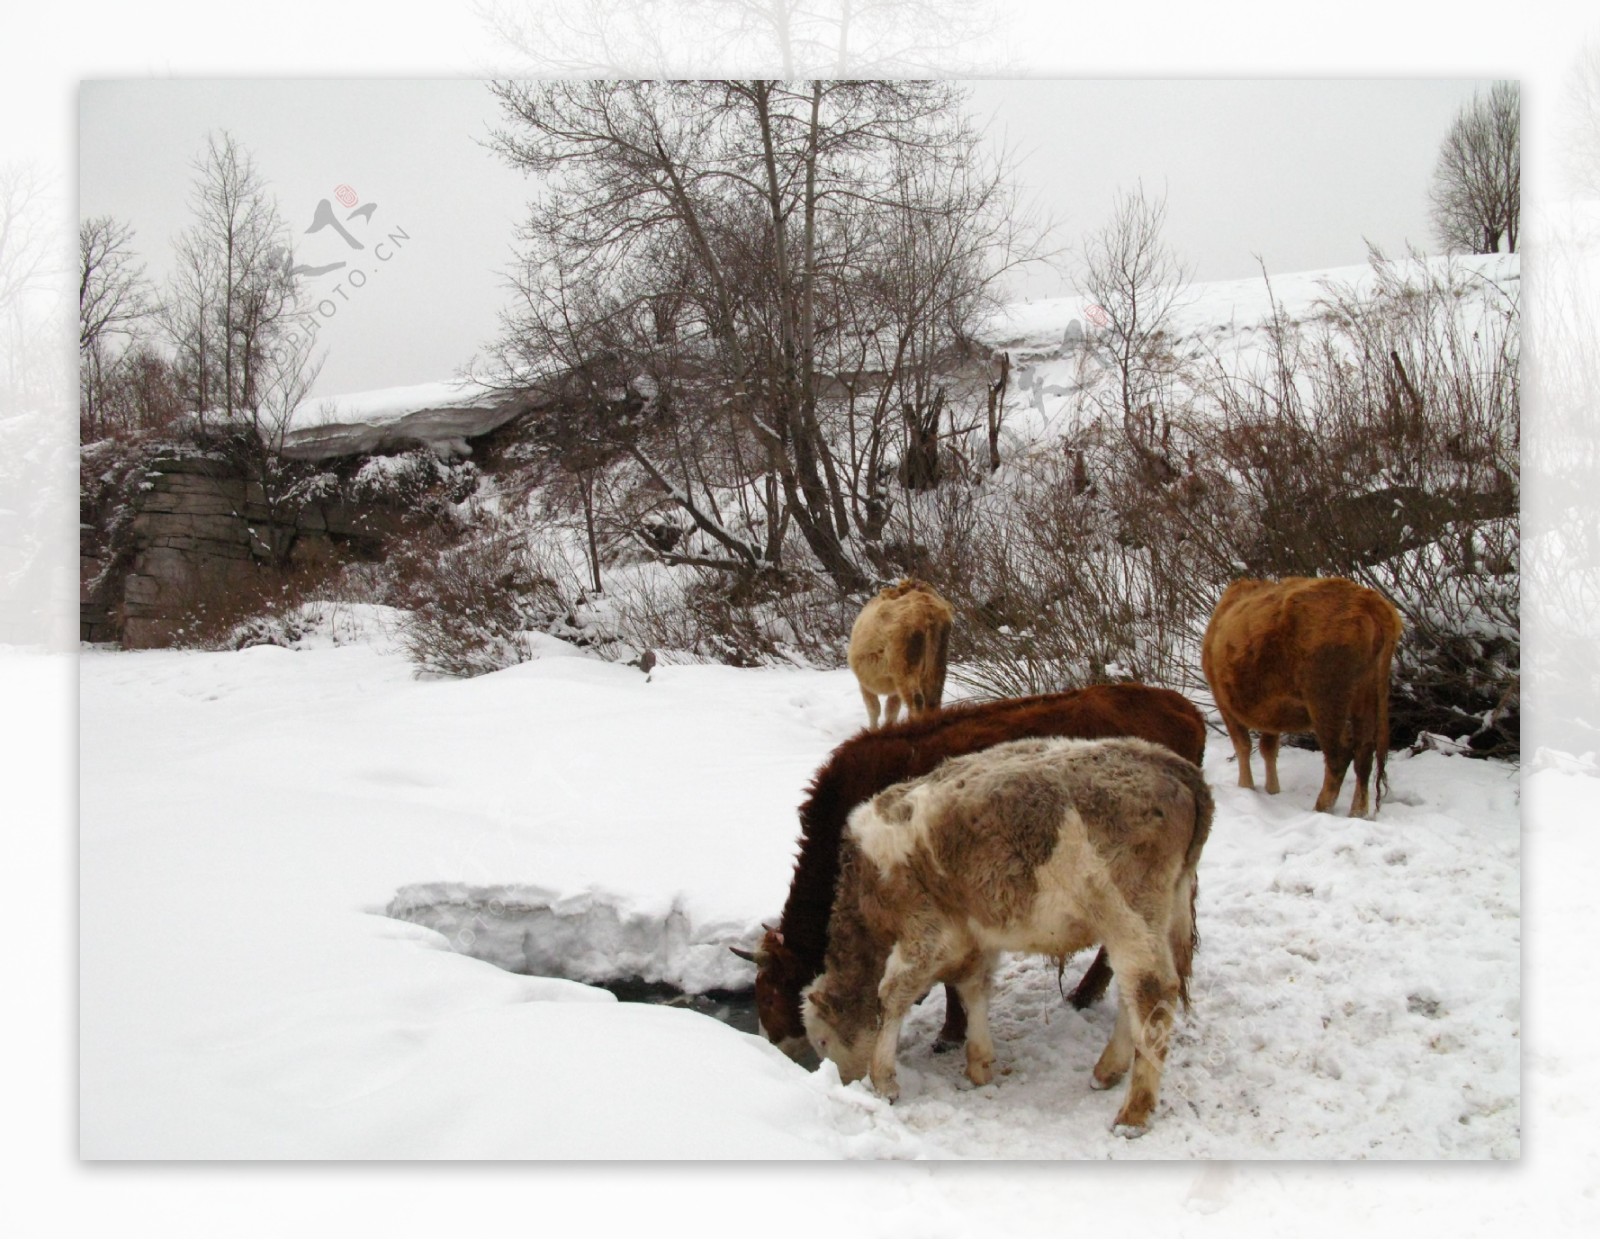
(899, 645)
(791, 954)
(1305, 654)
(1031, 846)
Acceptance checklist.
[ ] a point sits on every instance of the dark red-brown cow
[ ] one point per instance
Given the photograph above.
(1305, 654)
(791, 954)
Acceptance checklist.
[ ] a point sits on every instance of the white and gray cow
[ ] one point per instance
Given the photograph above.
(1042, 846)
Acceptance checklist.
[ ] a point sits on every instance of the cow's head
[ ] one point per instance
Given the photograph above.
(779, 979)
(825, 1029)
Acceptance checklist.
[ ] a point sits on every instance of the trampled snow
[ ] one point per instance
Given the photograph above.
(248, 819)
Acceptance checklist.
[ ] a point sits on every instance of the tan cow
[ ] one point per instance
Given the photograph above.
(899, 646)
(1305, 654)
(1034, 846)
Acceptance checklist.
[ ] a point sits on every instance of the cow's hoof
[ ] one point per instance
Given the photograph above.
(1129, 1131)
(981, 1073)
(941, 1046)
(1097, 1081)
(888, 1090)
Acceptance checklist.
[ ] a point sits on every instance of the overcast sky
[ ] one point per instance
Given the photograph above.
(1302, 173)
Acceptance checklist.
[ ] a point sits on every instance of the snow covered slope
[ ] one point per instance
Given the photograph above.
(442, 416)
(1226, 319)
(1043, 336)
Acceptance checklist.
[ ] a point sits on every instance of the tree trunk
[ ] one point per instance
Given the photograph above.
(997, 397)
(822, 540)
(586, 490)
(920, 471)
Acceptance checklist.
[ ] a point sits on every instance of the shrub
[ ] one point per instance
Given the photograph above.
(472, 604)
(412, 481)
(741, 619)
(1378, 442)
(254, 606)
(1059, 592)
(1384, 447)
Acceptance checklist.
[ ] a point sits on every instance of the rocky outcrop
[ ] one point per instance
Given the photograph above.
(200, 529)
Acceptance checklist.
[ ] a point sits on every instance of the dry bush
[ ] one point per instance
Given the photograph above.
(1381, 443)
(1062, 592)
(1378, 442)
(472, 604)
(743, 620)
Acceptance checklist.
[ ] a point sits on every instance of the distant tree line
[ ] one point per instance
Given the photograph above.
(211, 357)
(1476, 197)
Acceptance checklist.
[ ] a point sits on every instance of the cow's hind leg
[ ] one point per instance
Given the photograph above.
(1332, 726)
(1093, 983)
(1365, 728)
(871, 699)
(1359, 803)
(1118, 1054)
(1153, 999)
(1269, 759)
(1147, 996)
(1240, 736)
(974, 990)
(954, 1031)
(891, 709)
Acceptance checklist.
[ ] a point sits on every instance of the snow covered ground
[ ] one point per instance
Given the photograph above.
(247, 818)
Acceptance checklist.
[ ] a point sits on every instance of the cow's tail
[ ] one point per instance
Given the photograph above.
(1380, 783)
(925, 653)
(938, 663)
(1186, 930)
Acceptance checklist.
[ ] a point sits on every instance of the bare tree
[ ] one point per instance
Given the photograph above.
(1136, 282)
(22, 236)
(229, 315)
(749, 207)
(35, 470)
(113, 296)
(925, 272)
(1476, 197)
(282, 379)
(232, 294)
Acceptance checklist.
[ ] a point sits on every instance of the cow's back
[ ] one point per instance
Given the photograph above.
(902, 634)
(1005, 838)
(872, 760)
